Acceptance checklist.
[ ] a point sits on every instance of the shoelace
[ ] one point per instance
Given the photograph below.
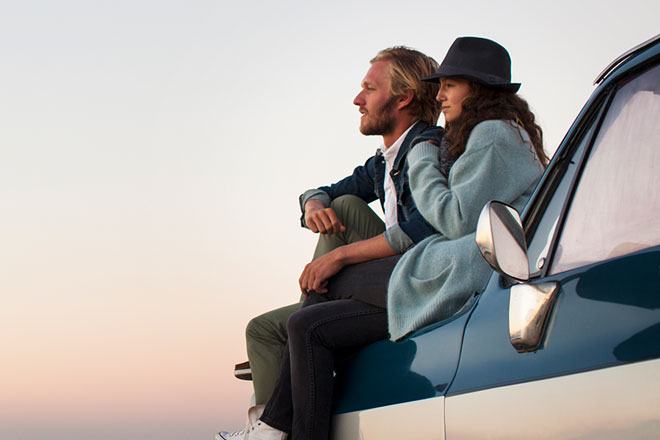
(233, 434)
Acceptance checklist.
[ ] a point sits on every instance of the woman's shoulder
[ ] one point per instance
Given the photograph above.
(499, 128)
(497, 133)
(503, 138)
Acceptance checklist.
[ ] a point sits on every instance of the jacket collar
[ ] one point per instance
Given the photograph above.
(418, 127)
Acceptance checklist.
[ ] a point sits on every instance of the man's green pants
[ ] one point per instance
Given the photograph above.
(266, 334)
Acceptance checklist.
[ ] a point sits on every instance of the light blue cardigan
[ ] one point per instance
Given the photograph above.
(437, 276)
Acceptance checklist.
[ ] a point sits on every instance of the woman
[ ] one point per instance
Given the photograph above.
(495, 157)
(499, 156)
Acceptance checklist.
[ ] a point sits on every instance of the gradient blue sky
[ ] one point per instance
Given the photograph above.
(151, 155)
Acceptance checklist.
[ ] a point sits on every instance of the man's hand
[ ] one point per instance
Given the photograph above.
(315, 275)
(318, 218)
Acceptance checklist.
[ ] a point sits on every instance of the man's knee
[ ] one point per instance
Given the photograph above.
(255, 327)
(345, 204)
(270, 325)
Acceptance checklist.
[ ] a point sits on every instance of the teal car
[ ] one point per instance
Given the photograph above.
(564, 340)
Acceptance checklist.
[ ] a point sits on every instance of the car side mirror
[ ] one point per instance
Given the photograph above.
(501, 240)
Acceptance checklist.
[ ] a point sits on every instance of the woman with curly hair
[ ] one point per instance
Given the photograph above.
(497, 153)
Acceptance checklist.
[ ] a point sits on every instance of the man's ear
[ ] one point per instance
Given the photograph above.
(405, 99)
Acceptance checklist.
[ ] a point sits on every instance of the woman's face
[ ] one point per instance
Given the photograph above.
(451, 95)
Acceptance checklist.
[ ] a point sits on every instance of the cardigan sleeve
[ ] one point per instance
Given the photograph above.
(498, 164)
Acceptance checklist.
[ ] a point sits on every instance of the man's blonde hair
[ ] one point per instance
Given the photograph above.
(407, 66)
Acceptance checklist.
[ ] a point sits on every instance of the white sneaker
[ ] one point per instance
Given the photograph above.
(254, 412)
(262, 431)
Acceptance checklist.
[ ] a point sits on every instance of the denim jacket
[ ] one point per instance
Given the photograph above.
(367, 182)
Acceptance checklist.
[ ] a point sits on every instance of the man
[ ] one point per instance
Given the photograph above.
(397, 106)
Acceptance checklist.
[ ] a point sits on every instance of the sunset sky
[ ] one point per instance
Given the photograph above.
(151, 157)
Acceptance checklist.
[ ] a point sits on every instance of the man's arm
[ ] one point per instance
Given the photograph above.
(360, 184)
(315, 275)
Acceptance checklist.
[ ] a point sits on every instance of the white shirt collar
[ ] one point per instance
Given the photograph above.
(391, 152)
(390, 202)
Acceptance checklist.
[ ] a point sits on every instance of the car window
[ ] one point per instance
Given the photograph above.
(539, 244)
(616, 205)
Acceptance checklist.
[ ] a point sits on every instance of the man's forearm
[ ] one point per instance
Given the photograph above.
(316, 273)
(365, 250)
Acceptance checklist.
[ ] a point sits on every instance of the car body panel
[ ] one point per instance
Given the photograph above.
(419, 367)
(607, 404)
(605, 314)
(421, 420)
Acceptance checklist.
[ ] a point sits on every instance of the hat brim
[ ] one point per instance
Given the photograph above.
(491, 82)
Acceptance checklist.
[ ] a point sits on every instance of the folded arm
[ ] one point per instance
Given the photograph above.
(316, 274)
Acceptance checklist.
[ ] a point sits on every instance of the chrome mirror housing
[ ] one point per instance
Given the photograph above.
(529, 310)
(501, 240)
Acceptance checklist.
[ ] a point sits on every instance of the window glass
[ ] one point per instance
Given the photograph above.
(539, 245)
(616, 206)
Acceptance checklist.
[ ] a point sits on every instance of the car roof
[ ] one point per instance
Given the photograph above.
(621, 59)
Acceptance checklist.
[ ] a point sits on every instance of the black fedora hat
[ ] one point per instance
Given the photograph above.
(480, 60)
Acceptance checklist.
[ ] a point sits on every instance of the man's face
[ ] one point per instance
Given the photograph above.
(375, 101)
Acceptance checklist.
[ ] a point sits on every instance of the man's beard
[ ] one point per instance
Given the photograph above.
(380, 122)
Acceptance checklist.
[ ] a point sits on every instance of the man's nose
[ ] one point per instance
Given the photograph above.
(358, 99)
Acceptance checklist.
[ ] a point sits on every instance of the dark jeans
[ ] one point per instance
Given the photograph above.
(351, 315)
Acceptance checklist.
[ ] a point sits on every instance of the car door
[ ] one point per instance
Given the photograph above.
(593, 230)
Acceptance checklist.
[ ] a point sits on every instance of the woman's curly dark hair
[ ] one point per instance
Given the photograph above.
(485, 104)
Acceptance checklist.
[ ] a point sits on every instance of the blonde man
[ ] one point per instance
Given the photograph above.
(397, 106)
